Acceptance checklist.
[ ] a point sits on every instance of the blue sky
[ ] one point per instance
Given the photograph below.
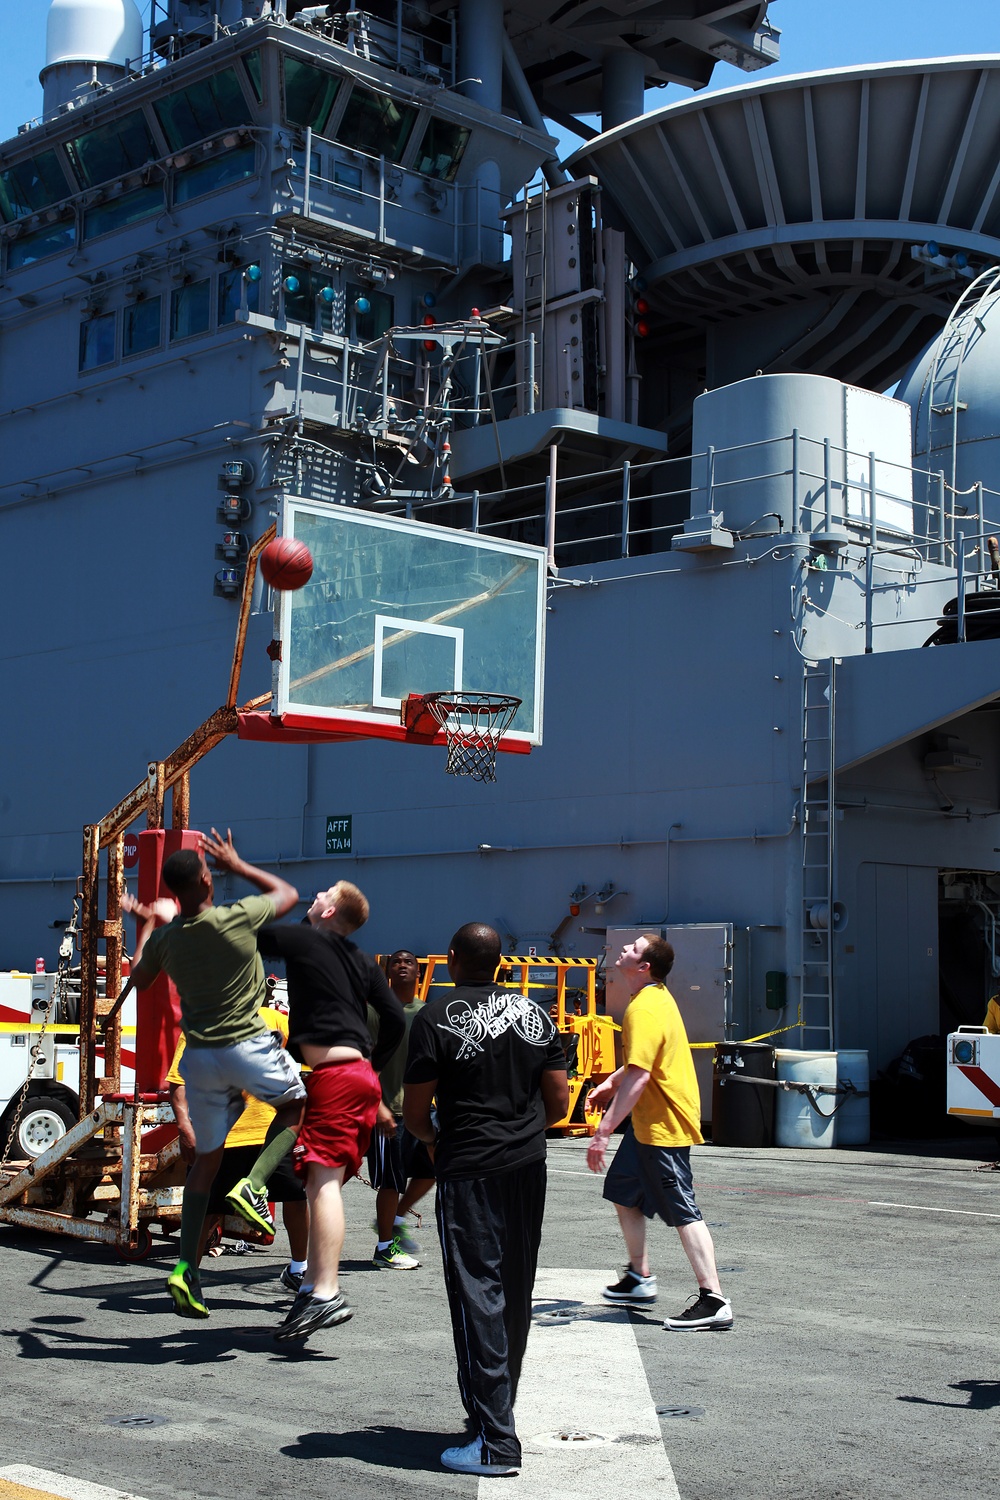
(815, 34)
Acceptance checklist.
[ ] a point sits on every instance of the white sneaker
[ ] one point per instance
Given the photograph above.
(469, 1460)
(707, 1310)
(401, 1233)
(394, 1258)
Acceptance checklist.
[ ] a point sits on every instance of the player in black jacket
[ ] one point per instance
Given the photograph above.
(331, 983)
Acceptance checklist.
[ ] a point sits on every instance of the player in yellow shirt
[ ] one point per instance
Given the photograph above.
(651, 1170)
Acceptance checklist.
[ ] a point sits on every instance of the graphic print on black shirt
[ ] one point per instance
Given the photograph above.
(487, 1048)
(331, 984)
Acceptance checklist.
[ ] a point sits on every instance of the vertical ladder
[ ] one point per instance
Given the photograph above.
(818, 822)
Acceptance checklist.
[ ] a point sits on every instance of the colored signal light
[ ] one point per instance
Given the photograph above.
(641, 305)
(252, 273)
(642, 329)
(291, 283)
(362, 305)
(429, 321)
(326, 294)
(429, 299)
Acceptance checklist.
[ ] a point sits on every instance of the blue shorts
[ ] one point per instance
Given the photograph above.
(217, 1079)
(655, 1179)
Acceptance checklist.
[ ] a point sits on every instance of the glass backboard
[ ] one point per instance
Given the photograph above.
(395, 607)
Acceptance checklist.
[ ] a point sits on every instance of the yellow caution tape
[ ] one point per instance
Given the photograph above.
(746, 1040)
(58, 1029)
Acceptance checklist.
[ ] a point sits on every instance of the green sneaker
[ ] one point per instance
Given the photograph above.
(394, 1258)
(184, 1286)
(245, 1200)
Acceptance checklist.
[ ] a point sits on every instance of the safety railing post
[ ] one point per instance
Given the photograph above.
(942, 532)
(960, 588)
(872, 518)
(531, 374)
(795, 479)
(710, 477)
(827, 484)
(869, 600)
(626, 486)
(475, 510)
(981, 565)
(307, 183)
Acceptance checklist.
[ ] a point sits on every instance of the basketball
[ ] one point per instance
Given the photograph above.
(286, 564)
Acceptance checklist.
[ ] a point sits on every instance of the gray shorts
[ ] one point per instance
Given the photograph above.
(216, 1079)
(656, 1179)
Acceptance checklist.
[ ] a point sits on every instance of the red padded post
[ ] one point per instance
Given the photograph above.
(158, 1013)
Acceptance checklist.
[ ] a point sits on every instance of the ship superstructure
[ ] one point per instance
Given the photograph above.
(331, 254)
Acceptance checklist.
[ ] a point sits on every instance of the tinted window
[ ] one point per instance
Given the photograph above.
(209, 176)
(124, 210)
(309, 93)
(190, 309)
(376, 125)
(303, 302)
(142, 325)
(367, 323)
(231, 295)
(441, 150)
(347, 178)
(32, 185)
(97, 341)
(112, 150)
(252, 64)
(47, 241)
(204, 109)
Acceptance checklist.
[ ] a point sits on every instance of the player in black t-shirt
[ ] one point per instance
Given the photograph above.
(331, 984)
(493, 1060)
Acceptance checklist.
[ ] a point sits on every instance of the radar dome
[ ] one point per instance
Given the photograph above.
(93, 31)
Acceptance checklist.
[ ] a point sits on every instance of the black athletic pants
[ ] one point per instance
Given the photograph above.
(490, 1229)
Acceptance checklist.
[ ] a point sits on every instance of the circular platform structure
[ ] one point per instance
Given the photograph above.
(785, 225)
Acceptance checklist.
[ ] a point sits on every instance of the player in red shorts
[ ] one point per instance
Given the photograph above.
(331, 983)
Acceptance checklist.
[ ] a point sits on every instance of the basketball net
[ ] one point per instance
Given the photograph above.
(474, 724)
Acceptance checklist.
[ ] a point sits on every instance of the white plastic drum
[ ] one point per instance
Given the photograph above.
(797, 1121)
(852, 1123)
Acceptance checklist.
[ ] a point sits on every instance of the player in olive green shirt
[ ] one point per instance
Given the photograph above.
(210, 953)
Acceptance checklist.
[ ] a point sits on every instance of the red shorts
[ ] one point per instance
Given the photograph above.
(342, 1100)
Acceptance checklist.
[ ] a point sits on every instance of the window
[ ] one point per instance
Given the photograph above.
(221, 171)
(303, 301)
(112, 150)
(31, 185)
(252, 64)
(309, 93)
(97, 341)
(121, 211)
(190, 310)
(142, 326)
(232, 287)
(441, 150)
(370, 322)
(214, 104)
(347, 179)
(376, 124)
(47, 241)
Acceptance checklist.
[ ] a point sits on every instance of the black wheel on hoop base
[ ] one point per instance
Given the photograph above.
(141, 1250)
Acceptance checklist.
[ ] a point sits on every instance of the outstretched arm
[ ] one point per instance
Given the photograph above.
(627, 1095)
(222, 851)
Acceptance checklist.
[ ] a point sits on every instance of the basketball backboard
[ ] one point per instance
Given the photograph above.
(397, 607)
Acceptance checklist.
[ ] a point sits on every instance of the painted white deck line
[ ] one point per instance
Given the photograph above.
(61, 1485)
(584, 1374)
(924, 1208)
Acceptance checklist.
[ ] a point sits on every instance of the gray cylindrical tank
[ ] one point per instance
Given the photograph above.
(953, 390)
(757, 468)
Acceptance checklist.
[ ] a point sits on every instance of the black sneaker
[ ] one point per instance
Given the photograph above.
(314, 1314)
(245, 1200)
(291, 1279)
(707, 1310)
(631, 1288)
(301, 1298)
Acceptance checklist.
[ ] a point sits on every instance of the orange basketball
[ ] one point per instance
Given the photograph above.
(286, 563)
